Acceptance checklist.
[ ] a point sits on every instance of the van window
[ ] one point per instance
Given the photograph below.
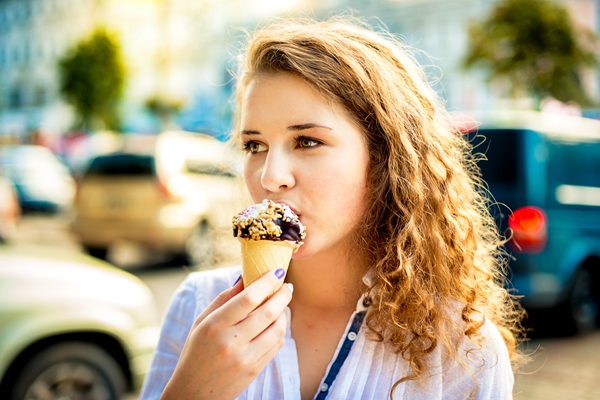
(500, 151)
(500, 148)
(122, 165)
(574, 175)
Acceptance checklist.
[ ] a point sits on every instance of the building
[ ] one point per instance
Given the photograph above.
(34, 34)
(174, 50)
(179, 51)
(438, 30)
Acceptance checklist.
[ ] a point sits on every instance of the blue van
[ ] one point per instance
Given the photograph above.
(543, 172)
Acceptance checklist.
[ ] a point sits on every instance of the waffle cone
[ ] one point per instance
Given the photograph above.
(262, 256)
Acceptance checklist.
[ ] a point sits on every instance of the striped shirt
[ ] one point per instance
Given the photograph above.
(367, 371)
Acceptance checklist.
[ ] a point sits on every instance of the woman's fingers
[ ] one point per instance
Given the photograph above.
(269, 341)
(242, 304)
(265, 315)
(232, 341)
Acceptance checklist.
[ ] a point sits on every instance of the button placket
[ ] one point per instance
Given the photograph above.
(341, 357)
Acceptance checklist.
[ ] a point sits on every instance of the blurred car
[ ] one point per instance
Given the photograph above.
(42, 182)
(543, 172)
(175, 197)
(10, 211)
(71, 326)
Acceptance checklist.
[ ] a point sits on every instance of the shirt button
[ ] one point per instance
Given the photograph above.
(352, 336)
(324, 387)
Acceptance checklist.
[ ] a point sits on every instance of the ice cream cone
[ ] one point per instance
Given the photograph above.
(262, 256)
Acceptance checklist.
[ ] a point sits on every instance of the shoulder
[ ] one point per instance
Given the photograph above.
(489, 369)
(494, 349)
(495, 379)
(480, 368)
(489, 340)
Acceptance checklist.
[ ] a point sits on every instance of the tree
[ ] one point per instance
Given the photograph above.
(92, 79)
(536, 47)
(164, 110)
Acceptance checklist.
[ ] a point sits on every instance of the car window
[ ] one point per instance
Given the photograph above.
(122, 165)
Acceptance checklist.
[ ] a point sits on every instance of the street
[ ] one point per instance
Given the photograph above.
(561, 368)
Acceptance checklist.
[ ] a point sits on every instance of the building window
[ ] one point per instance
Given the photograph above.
(26, 52)
(14, 55)
(26, 10)
(8, 15)
(40, 97)
(16, 98)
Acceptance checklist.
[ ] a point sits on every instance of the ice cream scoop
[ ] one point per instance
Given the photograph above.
(269, 221)
(269, 233)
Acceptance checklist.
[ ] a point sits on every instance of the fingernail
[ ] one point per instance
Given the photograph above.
(280, 272)
(237, 280)
(291, 287)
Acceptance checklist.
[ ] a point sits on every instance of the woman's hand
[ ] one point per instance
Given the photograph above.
(231, 342)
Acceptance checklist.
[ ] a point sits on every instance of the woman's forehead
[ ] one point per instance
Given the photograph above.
(295, 85)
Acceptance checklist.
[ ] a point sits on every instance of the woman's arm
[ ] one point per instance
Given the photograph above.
(175, 328)
(228, 345)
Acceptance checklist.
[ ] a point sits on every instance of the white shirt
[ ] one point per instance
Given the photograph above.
(369, 372)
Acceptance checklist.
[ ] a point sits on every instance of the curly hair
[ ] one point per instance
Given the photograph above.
(427, 231)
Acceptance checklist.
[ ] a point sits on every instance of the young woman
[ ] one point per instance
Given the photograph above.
(397, 291)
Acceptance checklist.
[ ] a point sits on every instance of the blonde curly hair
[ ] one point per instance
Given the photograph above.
(427, 231)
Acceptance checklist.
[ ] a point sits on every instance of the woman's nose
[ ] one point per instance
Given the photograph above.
(277, 173)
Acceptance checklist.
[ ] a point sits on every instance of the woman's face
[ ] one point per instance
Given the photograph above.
(305, 151)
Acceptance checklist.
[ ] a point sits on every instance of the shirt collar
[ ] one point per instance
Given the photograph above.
(365, 301)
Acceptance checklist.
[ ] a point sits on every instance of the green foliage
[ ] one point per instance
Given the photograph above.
(163, 109)
(92, 79)
(536, 46)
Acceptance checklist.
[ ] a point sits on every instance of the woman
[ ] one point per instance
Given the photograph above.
(397, 289)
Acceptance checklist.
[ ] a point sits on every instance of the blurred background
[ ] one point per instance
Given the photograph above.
(114, 171)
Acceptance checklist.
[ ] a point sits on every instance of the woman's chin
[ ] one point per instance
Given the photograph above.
(305, 251)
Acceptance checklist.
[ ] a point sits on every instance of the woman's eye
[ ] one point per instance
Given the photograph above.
(253, 147)
(306, 142)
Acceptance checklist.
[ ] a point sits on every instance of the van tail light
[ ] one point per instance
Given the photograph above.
(529, 230)
(174, 186)
(164, 190)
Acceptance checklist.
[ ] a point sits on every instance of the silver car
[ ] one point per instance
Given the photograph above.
(71, 326)
(43, 183)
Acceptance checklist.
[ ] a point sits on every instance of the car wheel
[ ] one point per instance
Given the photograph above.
(70, 370)
(583, 302)
(199, 248)
(98, 252)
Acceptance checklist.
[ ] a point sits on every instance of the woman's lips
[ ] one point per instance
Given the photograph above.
(291, 206)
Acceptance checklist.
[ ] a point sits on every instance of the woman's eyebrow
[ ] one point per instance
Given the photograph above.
(299, 127)
(302, 127)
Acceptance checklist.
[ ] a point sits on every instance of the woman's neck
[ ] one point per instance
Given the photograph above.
(327, 281)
